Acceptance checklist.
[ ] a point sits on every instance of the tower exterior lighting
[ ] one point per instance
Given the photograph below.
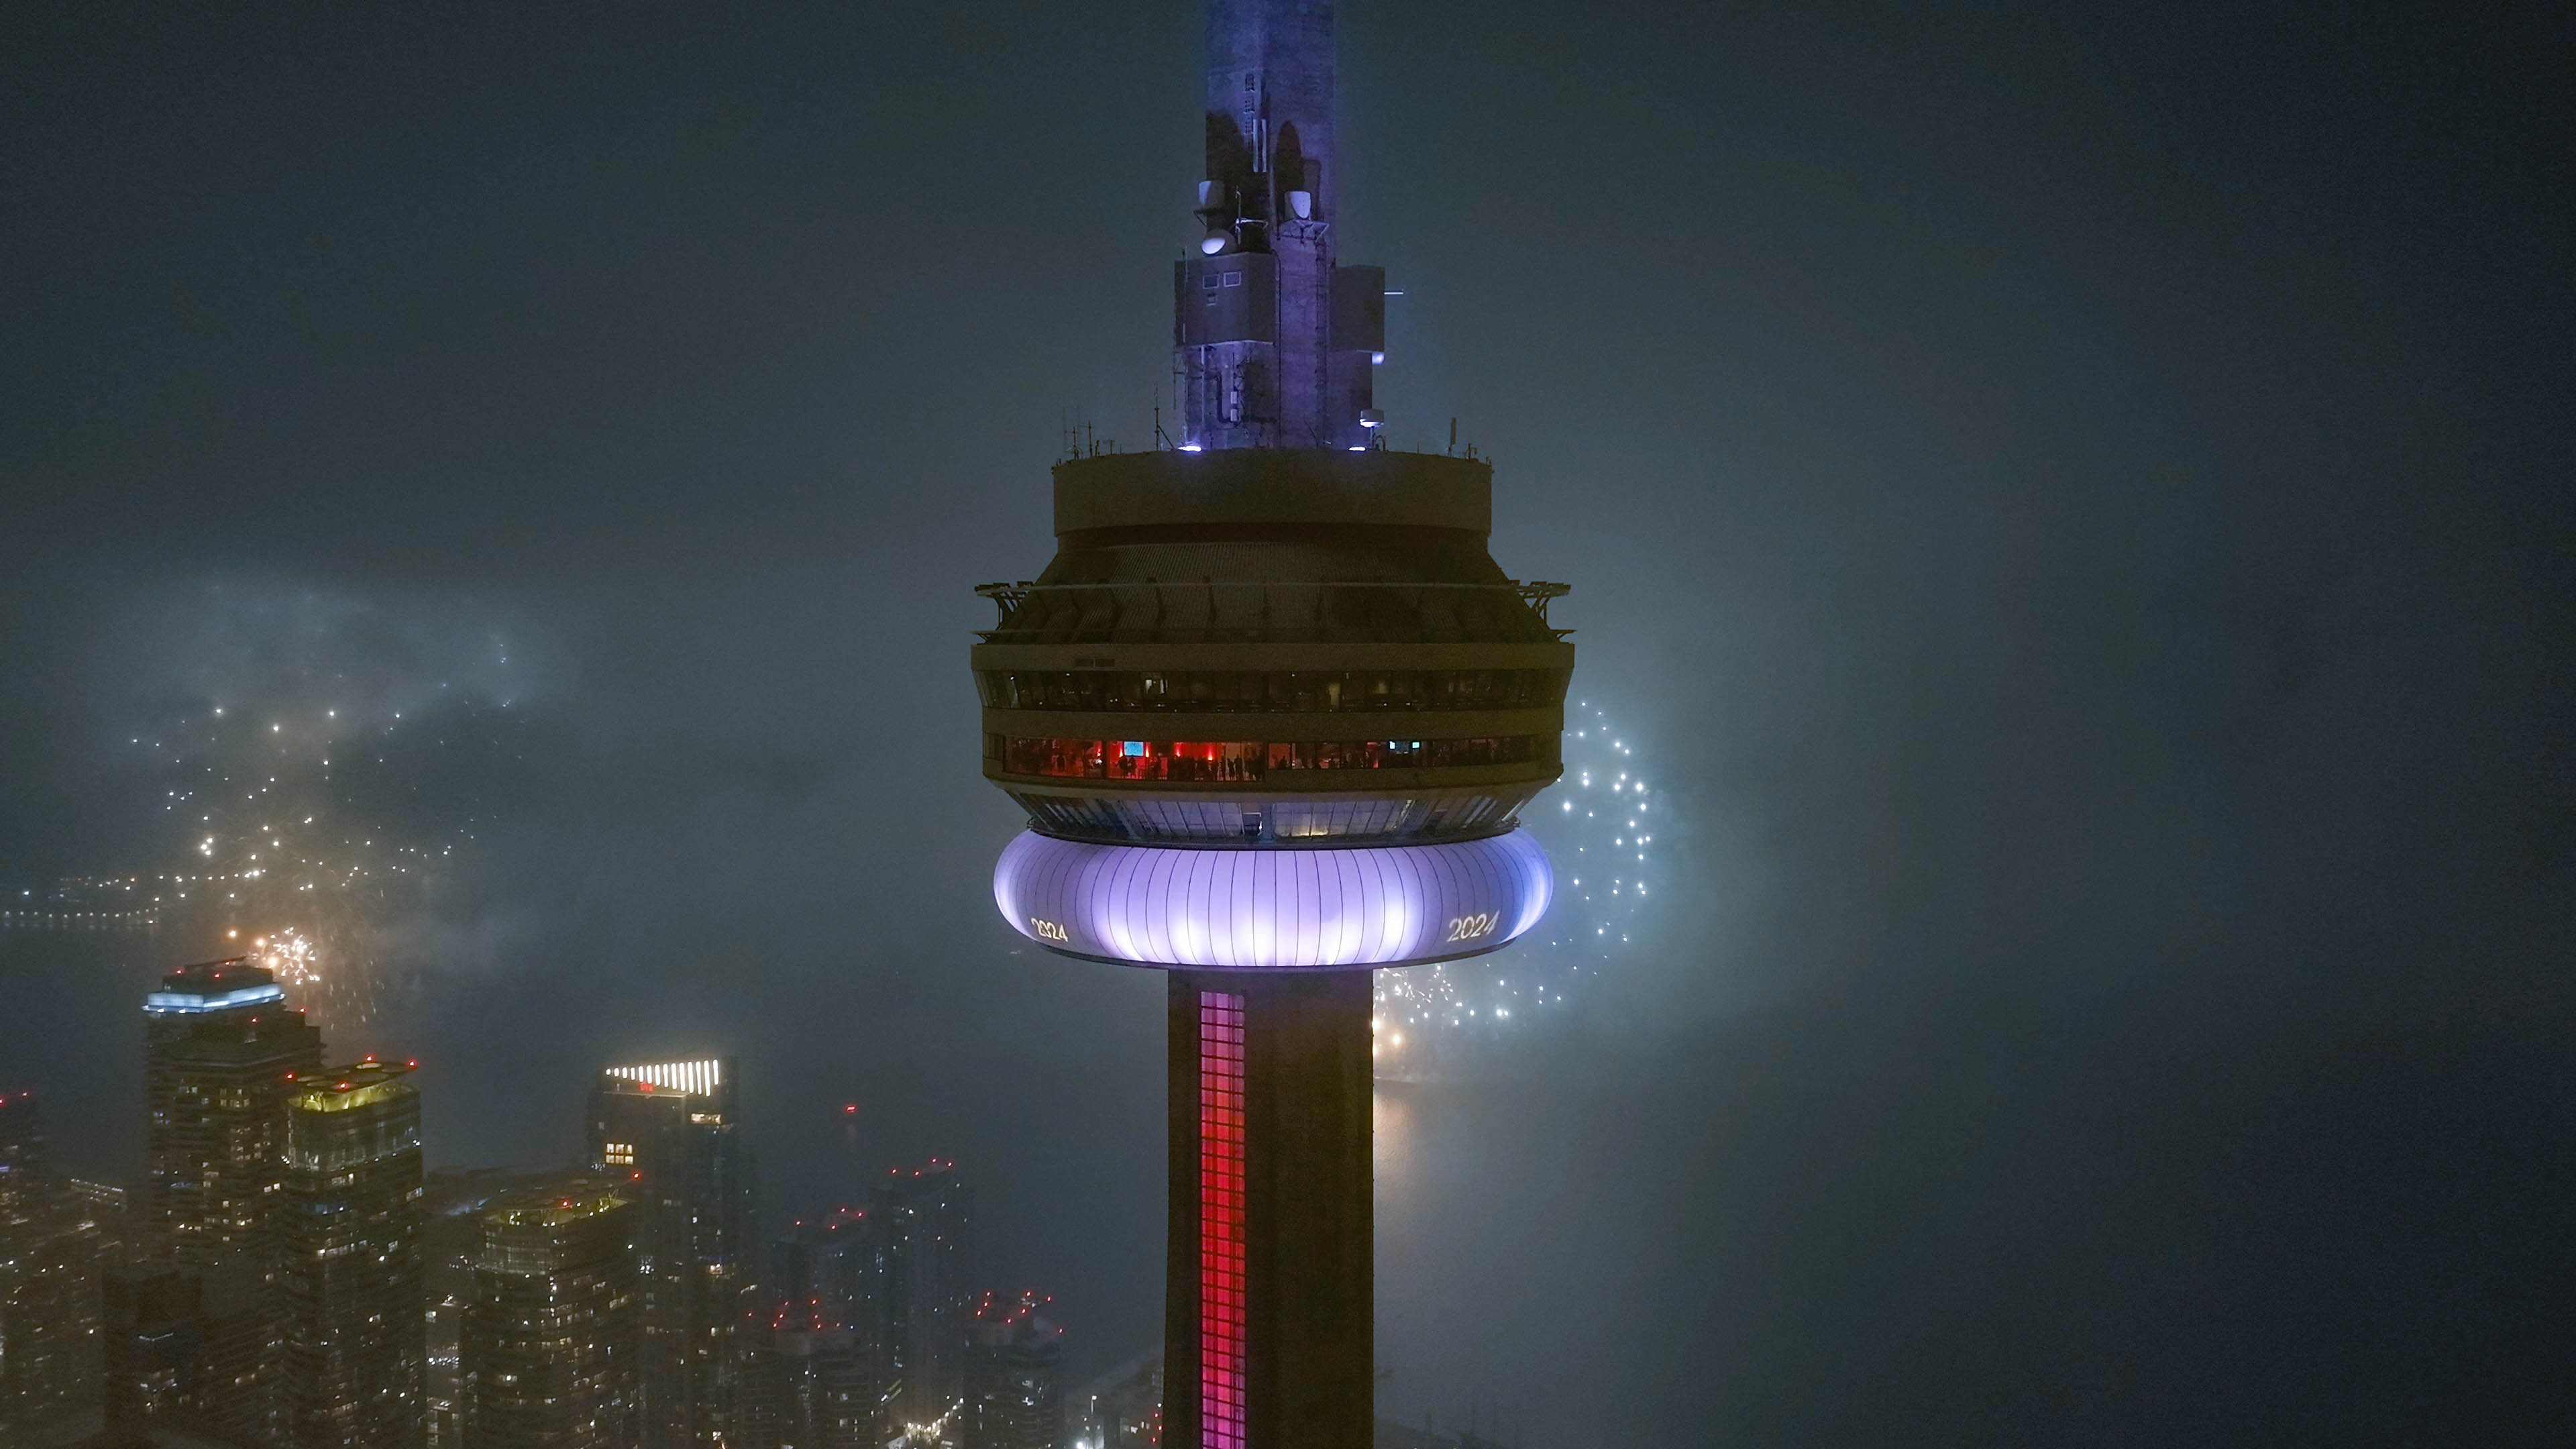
(1272, 712)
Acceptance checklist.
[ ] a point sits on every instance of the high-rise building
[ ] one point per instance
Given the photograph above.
(26, 1175)
(1124, 1409)
(1014, 1377)
(153, 1329)
(50, 1246)
(829, 1265)
(668, 1133)
(807, 1382)
(452, 1239)
(180, 1342)
(351, 1270)
(1272, 712)
(924, 1231)
(552, 1339)
(222, 1049)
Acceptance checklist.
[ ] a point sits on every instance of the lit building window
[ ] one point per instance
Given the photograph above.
(1229, 761)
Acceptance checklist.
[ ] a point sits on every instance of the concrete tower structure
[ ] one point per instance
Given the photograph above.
(1272, 711)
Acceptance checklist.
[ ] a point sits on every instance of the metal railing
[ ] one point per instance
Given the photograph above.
(1100, 611)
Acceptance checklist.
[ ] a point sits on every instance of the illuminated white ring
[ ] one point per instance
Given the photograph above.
(1273, 910)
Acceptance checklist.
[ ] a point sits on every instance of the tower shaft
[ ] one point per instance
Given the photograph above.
(1268, 1315)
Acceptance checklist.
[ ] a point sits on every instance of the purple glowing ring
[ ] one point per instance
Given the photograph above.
(1273, 910)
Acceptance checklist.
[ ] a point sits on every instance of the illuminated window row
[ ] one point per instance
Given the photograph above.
(1224, 761)
(701, 1077)
(1221, 1245)
(1306, 690)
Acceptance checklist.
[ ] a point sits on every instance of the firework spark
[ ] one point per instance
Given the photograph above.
(290, 956)
(1600, 826)
(309, 768)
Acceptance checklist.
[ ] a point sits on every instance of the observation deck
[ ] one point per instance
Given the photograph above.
(1270, 647)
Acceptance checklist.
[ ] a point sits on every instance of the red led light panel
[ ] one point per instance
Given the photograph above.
(1220, 1220)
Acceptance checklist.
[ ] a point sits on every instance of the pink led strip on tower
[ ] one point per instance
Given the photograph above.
(1220, 1220)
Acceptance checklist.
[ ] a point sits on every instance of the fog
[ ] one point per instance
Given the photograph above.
(2073, 500)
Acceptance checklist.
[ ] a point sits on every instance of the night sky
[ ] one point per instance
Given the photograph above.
(2075, 500)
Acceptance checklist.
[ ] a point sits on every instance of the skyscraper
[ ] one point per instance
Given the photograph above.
(26, 1168)
(1124, 1409)
(1014, 1377)
(1272, 712)
(552, 1339)
(451, 1242)
(668, 1133)
(830, 1266)
(179, 1340)
(924, 1232)
(153, 1331)
(807, 1382)
(223, 1047)
(350, 1277)
(50, 1244)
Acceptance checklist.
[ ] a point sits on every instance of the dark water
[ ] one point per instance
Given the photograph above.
(72, 1030)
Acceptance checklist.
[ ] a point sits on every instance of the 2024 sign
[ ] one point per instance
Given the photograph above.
(1469, 928)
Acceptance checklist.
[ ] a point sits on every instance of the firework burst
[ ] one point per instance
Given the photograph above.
(337, 760)
(289, 955)
(1600, 825)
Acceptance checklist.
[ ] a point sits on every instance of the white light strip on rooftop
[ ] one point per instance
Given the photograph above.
(190, 1001)
(701, 1078)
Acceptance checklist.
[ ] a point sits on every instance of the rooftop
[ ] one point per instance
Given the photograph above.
(702, 1077)
(345, 1089)
(552, 1204)
(210, 986)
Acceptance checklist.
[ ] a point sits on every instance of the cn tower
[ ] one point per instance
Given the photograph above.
(1272, 711)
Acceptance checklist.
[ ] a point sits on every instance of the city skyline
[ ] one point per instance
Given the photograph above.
(2066, 504)
(288, 1276)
